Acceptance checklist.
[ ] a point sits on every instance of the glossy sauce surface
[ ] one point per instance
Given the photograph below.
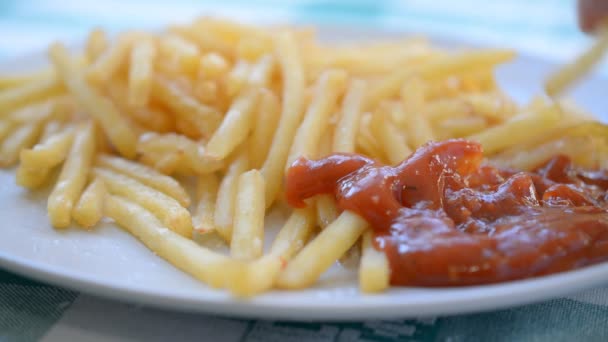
(443, 219)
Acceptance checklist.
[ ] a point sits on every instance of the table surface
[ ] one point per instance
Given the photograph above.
(546, 28)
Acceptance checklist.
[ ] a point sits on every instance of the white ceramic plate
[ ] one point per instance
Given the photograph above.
(110, 263)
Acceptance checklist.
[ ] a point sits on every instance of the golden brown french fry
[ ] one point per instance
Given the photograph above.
(374, 272)
(206, 192)
(265, 124)
(166, 208)
(236, 125)
(89, 209)
(32, 91)
(73, 176)
(141, 69)
(97, 43)
(201, 119)
(348, 124)
(288, 56)
(320, 253)
(247, 240)
(568, 75)
(146, 176)
(224, 206)
(109, 61)
(213, 268)
(316, 119)
(114, 125)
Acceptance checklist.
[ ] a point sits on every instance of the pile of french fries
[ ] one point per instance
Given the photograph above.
(117, 130)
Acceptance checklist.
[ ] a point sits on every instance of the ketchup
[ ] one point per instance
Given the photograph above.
(443, 219)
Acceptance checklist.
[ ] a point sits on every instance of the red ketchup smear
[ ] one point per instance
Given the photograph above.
(445, 220)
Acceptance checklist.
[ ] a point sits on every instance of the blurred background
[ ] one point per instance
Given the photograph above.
(543, 28)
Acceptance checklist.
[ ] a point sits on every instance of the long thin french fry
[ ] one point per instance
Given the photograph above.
(35, 90)
(348, 124)
(320, 253)
(213, 268)
(265, 125)
(247, 239)
(374, 272)
(141, 70)
(147, 176)
(224, 207)
(73, 176)
(114, 125)
(293, 102)
(89, 209)
(167, 209)
(236, 125)
(316, 119)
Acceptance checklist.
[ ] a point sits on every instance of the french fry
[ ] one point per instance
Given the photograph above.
(436, 69)
(35, 168)
(327, 211)
(205, 40)
(320, 253)
(149, 117)
(33, 91)
(224, 206)
(23, 137)
(374, 272)
(50, 152)
(178, 149)
(390, 140)
(261, 72)
(141, 69)
(206, 193)
(212, 66)
(262, 273)
(166, 208)
(89, 209)
(247, 239)
(419, 131)
(519, 129)
(348, 124)
(180, 51)
(567, 76)
(316, 119)
(237, 77)
(460, 127)
(236, 125)
(114, 125)
(146, 176)
(73, 176)
(293, 102)
(201, 120)
(265, 124)
(18, 80)
(213, 268)
(97, 43)
(55, 108)
(106, 65)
